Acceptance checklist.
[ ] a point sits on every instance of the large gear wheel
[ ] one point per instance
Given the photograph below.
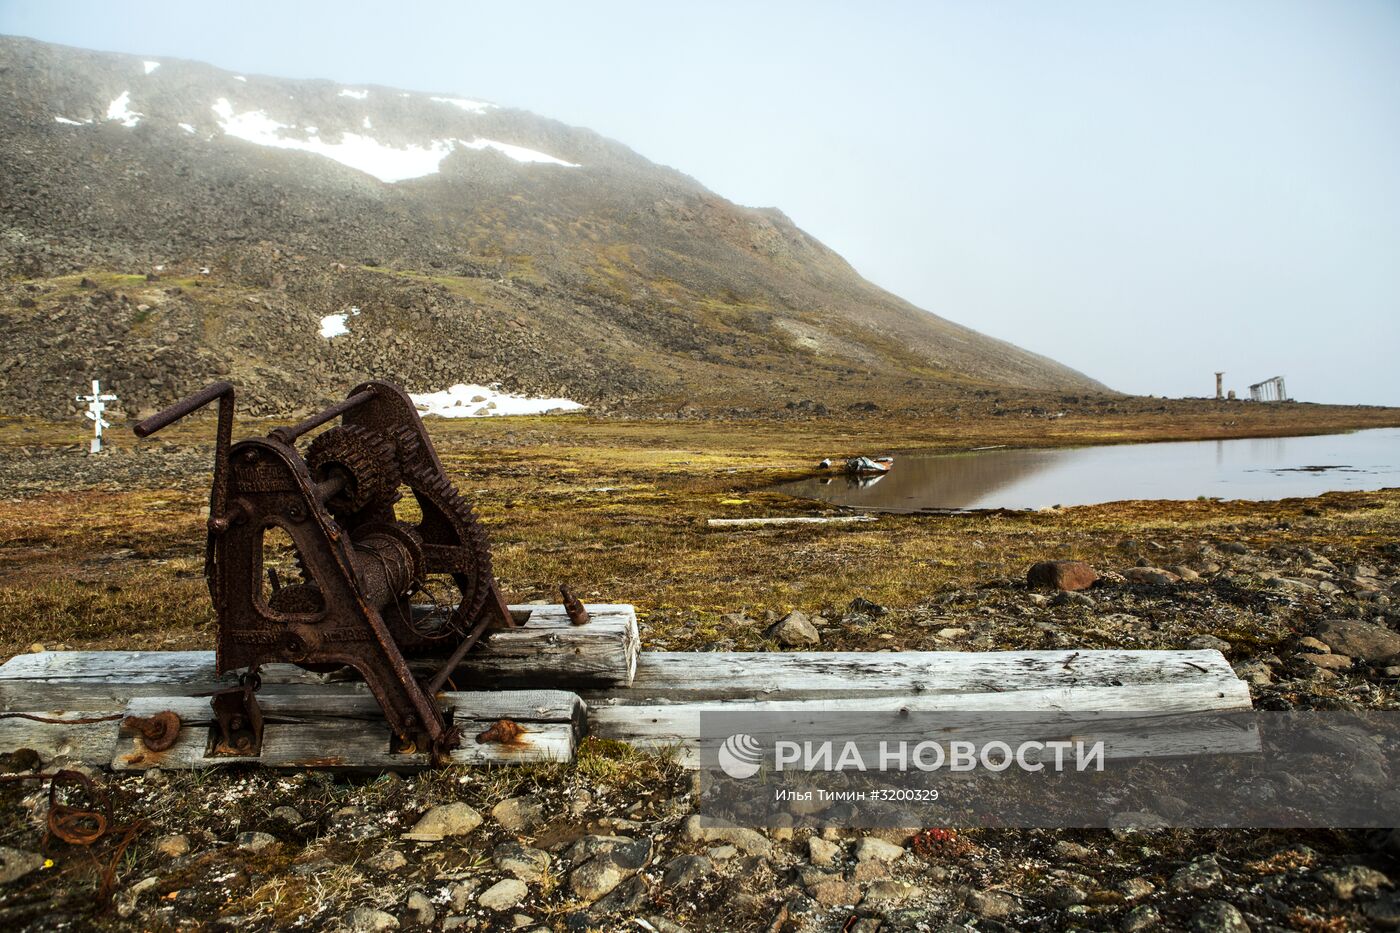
(366, 459)
(454, 543)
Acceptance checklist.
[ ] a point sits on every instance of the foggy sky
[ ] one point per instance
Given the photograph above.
(1145, 192)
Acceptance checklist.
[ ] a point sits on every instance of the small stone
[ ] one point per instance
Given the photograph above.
(449, 819)
(1071, 850)
(1346, 881)
(1124, 825)
(388, 860)
(1313, 645)
(368, 920)
(595, 878)
(992, 905)
(520, 861)
(822, 853)
(749, 840)
(1233, 547)
(173, 845)
(1066, 895)
(420, 909)
(1184, 572)
(288, 815)
(1140, 919)
(1359, 639)
(1219, 917)
(835, 893)
(1208, 643)
(865, 607)
(686, 869)
(794, 630)
(723, 853)
(883, 894)
(16, 863)
(1135, 888)
(1332, 662)
(504, 894)
(1066, 575)
(1153, 576)
(871, 848)
(1200, 875)
(519, 814)
(256, 842)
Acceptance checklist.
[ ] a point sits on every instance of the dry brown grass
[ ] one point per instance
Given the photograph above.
(617, 509)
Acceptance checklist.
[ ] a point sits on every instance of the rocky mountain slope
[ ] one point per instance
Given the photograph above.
(164, 222)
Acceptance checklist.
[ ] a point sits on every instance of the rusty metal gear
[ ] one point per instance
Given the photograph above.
(454, 542)
(366, 459)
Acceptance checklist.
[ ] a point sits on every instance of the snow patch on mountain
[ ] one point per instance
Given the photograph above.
(120, 110)
(357, 95)
(470, 106)
(150, 66)
(364, 153)
(67, 122)
(518, 153)
(475, 401)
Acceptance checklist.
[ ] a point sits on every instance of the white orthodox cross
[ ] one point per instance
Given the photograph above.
(94, 413)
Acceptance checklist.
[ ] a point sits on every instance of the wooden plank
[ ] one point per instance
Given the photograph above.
(663, 708)
(671, 677)
(90, 744)
(547, 651)
(787, 520)
(343, 727)
(678, 729)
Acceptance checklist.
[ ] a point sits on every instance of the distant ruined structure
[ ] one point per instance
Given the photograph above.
(1219, 386)
(1270, 390)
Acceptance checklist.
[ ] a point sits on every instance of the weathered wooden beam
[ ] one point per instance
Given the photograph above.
(787, 520)
(669, 677)
(672, 693)
(309, 727)
(547, 651)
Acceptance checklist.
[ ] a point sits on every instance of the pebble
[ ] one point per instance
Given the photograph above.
(1065, 575)
(686, 869)
(749, 840)
(822, 852)
(992, 905)
(870, 848)
(256, 842)
(421, 908)
(289, 815)
(1071, 850)
(1359, 639)
(1202, 874)
(1140, 918)
(1346, 881)
(16, 863)
(504, 894)
(448, 819)
(518, 814)
(368, 920)
(883, 894)
(173, 845)
(1134, 888)
(522, 862)
(794, 630)
(1219, 917)
(1208, 643)
(388, 860)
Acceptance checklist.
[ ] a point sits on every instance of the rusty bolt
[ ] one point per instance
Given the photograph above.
(158, 732)
(503, 731)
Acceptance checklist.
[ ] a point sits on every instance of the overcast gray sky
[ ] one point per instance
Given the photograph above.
(1145, 191)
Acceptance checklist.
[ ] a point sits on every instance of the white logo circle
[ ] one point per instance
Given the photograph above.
(740, 756)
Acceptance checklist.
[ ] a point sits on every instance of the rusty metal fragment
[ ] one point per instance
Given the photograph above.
(504, 731)
(578, 615)
(159, 732)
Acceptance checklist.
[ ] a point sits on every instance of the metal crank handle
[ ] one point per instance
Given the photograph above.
(180, 409)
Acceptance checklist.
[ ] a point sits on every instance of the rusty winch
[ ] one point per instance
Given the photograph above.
(365, 589)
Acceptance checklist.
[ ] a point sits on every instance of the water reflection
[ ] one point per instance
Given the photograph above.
(1253, 468)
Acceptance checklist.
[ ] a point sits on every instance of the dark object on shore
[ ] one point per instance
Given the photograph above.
(868, 466)
(1067, 575)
